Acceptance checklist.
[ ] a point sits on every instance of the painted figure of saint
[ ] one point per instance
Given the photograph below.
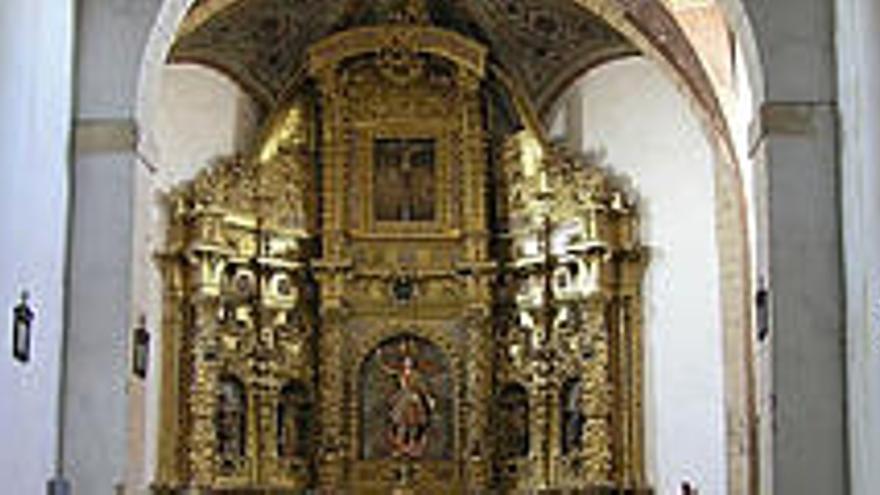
(410, 408)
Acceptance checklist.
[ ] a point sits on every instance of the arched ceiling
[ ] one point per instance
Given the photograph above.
(542, 45)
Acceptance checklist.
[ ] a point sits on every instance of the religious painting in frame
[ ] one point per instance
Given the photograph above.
(404, 180)
(406, 183)
(406, 401)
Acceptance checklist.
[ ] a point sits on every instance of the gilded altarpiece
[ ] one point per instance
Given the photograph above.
(381, 300)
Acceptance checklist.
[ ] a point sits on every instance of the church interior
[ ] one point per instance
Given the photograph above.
(439, 247)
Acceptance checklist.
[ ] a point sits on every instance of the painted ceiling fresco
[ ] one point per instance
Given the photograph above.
(540, 45)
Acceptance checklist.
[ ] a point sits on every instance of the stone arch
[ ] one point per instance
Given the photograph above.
(741, 24)
(793, 74)
(731, 210)
(631, 18)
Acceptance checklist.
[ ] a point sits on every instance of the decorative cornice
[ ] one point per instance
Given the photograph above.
(788, 118)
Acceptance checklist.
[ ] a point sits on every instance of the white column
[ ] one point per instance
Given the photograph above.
(110, 43)
(797, 132)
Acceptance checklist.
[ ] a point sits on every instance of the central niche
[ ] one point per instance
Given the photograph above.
(406, 405)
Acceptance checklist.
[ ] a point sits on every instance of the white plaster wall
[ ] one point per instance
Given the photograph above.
(859, 96)
(35, 110)
(647, 131)
(202, 114)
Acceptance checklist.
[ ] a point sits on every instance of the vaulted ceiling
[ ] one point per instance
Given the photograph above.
(541, 45)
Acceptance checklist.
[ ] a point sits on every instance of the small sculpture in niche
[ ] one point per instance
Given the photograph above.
(231, 422)
(294, 421)
(513, 422)
(572, 416)
(404, 182)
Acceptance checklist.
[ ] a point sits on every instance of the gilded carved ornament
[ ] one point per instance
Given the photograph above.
(349, 309)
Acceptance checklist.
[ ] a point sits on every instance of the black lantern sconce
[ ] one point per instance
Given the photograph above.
(688, 489)
(22, 321)
(762, 310)
(141, 349)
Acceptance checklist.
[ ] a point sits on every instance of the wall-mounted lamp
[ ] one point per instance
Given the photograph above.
(22, 319)
(688, 489)
(762, 310)
(141, 349)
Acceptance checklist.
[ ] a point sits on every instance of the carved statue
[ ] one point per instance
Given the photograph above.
(231, 422)
(294, 422)
(513, 428)
(572, 416)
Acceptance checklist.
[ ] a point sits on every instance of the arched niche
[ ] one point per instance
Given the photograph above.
(406, 401)
(513, 418)
(231, 423)
(295, 421)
